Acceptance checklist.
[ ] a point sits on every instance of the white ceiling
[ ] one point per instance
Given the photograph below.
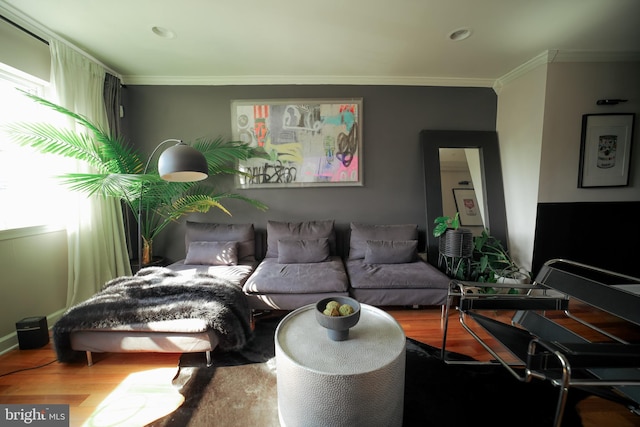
(334, 41)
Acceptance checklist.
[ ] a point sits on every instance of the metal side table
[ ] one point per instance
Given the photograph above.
(357, 382)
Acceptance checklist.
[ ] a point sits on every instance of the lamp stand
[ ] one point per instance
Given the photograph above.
(146, 167)
(180, 163)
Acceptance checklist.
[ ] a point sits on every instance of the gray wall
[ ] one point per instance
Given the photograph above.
(393, 116)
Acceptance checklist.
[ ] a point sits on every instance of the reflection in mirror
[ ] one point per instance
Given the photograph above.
(485, 178)
(462, 188)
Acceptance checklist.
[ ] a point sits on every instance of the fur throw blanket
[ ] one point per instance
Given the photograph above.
(157, 294)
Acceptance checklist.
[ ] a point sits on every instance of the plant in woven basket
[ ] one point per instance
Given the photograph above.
(455, 244)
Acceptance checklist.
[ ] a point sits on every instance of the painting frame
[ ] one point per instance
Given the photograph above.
(311, 142)
(467, 207)
(605, 150)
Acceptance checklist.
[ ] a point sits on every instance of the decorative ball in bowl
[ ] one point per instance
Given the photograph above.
(338, 315)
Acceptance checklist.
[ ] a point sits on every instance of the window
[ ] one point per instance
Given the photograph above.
(30, 195)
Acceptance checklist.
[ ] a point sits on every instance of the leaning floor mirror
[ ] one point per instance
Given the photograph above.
(481, 148)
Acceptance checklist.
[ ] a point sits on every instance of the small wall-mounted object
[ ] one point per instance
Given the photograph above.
(610, 101)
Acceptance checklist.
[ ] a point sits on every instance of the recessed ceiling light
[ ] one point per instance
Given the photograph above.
(165, 33)
(460, 34)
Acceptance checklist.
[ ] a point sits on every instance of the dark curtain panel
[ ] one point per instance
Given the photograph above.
(112, 101)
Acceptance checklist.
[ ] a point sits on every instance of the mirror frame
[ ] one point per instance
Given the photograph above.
(495, 218)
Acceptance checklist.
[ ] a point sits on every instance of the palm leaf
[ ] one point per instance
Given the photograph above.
(184, 205)
(222, 155)
(48, 139)
(196, 203)
(255, 203)
(106, 154)
(79, 118)
(120, 157)
(119, 169)
(121, 186)
(158, 192)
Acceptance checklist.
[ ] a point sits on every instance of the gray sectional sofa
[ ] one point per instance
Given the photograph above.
(301, 266)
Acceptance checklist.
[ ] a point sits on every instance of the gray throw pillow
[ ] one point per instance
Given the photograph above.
(277, 231)
(244, 234)
(303, 251)
(360, 233)
(390, 251)
(212, 253)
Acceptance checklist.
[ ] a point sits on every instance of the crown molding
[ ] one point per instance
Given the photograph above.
(546, 57)
(541, 59)
(557, 56)
(596, 56)
(305, 80)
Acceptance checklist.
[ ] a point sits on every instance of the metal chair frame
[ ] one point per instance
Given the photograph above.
(541, 348)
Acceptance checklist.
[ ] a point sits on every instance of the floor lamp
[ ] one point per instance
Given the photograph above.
(180, 163)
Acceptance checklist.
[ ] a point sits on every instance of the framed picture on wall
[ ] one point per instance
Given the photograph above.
(467, 206)
(308, 142)
(605, 150)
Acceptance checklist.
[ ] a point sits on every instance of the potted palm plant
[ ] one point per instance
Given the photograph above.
(119, 171)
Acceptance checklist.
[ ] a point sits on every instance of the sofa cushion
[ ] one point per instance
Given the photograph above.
(303, 251)
(360, 233)
(277, 230)
(212, 253)
(211, 232)
(413, 275)
(390, 251)
(271, 277)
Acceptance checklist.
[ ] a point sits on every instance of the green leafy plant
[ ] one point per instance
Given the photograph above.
(442, 223)
(119, 169)
(454, 245)
(491, 261)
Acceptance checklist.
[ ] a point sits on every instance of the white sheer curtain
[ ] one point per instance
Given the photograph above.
(96, 240)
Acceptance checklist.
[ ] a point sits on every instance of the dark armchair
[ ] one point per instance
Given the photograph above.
(534, 345)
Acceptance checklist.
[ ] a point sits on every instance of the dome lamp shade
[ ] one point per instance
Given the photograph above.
(182, 163)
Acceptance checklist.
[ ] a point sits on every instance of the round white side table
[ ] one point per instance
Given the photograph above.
(357, 382)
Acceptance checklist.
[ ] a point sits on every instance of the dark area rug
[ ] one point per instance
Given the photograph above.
(240, 390)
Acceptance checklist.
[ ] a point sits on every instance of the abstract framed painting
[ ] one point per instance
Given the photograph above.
(605, 150)
(308, 142)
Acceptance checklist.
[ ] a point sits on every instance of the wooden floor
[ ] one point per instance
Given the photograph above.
(35, 377)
